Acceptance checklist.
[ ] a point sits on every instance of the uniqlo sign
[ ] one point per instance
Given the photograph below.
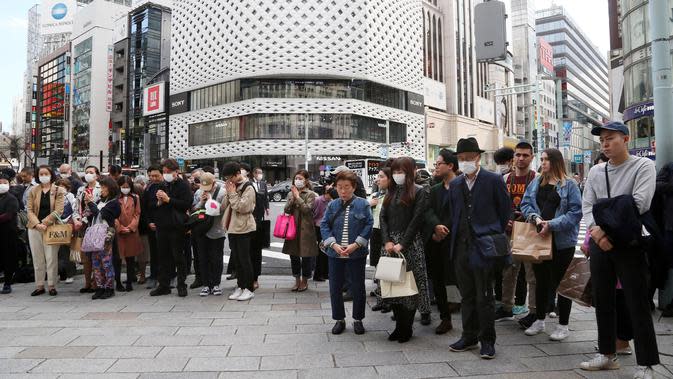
(153, 99)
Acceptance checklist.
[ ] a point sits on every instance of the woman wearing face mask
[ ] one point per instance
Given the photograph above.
(553, 201)
(67, 268)
(9, 206)
(376, 201)
(128, 238)
(90, 192)
(401, 223)
(106, 211)
(304, 247)
(45, 205)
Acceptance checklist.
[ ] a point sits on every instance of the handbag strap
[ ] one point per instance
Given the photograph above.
(607, 180)
(341, 210)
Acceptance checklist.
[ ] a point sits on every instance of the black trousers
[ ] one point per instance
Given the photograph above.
(548, 275)
(375, 245)
(240, 251)
(170, 243)
(302, 266)
(478, 303)
(9, 256)
(66, 268)
(256, 252)
(632, 270)
(624, 326)
(321, 261)
(437, 274)
(154, 257)
(196, 259)
(187, 251)
(521, 291)
(211, 253)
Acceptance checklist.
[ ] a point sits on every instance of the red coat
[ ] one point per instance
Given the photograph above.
(130, 244)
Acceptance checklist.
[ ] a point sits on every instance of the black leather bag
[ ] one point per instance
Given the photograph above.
(199, 223)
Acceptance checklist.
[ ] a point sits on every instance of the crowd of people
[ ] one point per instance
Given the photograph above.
(453, 234)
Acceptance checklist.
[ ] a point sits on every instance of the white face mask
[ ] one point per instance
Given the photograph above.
(4, 188)
(244, 172)
(90, 178)
(399, 178)
(468, 167)
(126, 191)
(502, 168)
(44, 179)
(299, 183)
(65, 176)
(168, 178)
(259, 177)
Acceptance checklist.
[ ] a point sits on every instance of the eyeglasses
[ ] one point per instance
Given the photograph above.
(197, 181)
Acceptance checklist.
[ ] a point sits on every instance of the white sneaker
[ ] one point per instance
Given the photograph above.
(246, 295)
(236, 294)
(69, 280)
(552, 314)
(205, 291)
(560, 333)
(217, 291)
(600, 362)
(643, 372)
(536, 328)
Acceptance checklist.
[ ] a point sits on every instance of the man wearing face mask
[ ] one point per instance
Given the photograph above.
(480, 211)
(503, 158)
(9, 207)
(174, 199)
(66, 172)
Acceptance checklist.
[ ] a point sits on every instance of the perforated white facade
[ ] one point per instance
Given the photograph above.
(223, 40)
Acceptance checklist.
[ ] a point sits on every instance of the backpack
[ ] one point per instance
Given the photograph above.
(199, 223)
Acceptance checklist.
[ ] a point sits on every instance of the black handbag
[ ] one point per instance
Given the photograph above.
(199, 223)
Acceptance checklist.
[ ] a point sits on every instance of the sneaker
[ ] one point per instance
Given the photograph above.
(502, 315)
(527, 321)
(643, 372)
(600, 362)
(237, 293)
(536, 328)
(623, 351)
(519, 310)
(205, 291)
(69, 280)
(217, 291)
(462, 345)
(246, 295)
(487, 350)
(560, 333)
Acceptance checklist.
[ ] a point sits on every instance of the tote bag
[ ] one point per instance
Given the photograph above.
(58, 234)
(528, 245)
(576, 283)
(285, 227)
(406, 288)
(391, 269)
(94, 238)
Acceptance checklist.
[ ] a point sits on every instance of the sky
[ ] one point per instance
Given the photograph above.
(590, 15)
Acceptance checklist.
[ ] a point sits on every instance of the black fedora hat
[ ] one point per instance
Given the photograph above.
(468, 145)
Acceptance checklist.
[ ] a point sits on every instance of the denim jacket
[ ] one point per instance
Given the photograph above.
(360, 223)
(566, 222)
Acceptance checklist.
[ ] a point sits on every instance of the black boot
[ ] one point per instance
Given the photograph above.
(120, 287)
(395, 335)
(407, 324)
(129, 286)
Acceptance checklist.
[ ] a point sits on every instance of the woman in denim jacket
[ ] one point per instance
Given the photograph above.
(345, 229)
(554, 203)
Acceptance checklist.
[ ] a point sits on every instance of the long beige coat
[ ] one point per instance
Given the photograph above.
(305, 244)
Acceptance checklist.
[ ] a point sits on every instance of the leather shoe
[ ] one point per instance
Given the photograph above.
(358, 328)
(98, 294)
(462, 345)
(38, 292)
(159, 291)
(425, 319)
(182, 291)
(377, 307)
(339, 327)
(444, 327)
(196, 284)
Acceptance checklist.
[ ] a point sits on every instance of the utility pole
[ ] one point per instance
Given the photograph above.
(308, 156)
(660, 17)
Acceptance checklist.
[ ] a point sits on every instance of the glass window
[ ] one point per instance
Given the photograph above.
(637, 27)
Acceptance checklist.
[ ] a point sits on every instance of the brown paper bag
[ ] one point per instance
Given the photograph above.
(576, 283)
(528, 245)
(58, 234)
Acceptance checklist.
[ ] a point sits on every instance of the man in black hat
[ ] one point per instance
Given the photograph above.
(480, 210)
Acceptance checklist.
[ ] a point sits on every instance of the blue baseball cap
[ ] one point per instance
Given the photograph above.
(614, 125)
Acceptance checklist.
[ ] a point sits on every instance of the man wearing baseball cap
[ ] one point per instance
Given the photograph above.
(623, 174)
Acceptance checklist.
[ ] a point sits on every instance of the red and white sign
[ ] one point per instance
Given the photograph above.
(545, 55)
(153, 99)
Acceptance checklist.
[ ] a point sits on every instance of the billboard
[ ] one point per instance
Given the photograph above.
(545, 55)
(490, 31)
(56, 16)
(153, 99)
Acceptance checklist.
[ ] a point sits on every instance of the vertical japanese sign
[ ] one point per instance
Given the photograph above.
(108, 91)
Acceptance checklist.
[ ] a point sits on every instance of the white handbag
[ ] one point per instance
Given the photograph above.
(406, 288)
(391, 269)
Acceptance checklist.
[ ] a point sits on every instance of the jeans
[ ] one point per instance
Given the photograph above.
(170, 243)
(631, 269)
(302, 266)
(240, 251)
(321, 269)
(337, 274)
(548, 275)
(211, 252)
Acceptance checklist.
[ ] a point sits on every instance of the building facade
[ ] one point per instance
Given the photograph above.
(252, 82)
(583, 72)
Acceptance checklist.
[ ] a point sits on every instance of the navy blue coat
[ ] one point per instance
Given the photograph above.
(492, 205)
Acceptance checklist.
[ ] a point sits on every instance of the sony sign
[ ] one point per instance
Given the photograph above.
(179, 103)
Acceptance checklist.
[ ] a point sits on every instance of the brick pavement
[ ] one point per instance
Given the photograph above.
(278, 334)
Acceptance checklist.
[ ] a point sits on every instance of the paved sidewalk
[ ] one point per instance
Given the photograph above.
(278, 334)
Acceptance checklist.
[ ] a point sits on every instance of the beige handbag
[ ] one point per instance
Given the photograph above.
(58, 234)
(406, 288)
(391, 269)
